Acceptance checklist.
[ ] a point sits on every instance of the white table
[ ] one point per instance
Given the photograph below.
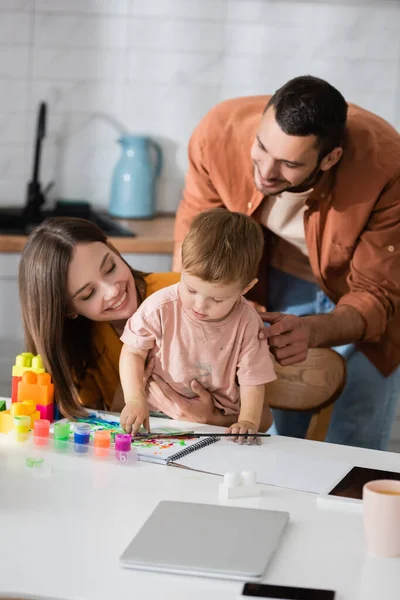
(61, 535)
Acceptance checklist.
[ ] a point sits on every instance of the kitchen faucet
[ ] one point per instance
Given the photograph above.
(35, 196)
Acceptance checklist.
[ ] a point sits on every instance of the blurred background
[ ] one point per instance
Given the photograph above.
(157, 66)
(154, 68)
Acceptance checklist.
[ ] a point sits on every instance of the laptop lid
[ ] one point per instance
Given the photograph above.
(206, 540)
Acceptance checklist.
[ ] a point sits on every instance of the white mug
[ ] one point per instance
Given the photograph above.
(382, 517)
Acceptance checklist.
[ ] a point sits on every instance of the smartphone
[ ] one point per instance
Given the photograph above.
(282, 592)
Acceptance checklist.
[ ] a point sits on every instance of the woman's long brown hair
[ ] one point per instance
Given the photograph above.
(65, 345)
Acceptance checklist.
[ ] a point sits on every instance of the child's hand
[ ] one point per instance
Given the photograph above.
(134, 414)
(244, 427)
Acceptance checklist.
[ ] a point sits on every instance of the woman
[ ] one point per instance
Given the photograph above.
(76, 293)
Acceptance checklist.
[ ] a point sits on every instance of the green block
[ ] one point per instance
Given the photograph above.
(2, 405)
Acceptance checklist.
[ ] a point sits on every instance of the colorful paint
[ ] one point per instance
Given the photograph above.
(159, 445)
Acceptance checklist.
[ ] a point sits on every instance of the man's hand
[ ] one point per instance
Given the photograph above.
(288, 337)
(134, 414)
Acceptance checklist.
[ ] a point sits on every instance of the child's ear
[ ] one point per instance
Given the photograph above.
(249, 286)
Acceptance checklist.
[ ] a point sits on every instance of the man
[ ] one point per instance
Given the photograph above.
(323, 178)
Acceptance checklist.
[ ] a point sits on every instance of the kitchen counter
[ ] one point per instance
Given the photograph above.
(152, 236)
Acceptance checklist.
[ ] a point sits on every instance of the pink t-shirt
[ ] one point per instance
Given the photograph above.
(218, 354)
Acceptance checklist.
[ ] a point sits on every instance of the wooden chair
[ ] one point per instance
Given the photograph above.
(313, 385)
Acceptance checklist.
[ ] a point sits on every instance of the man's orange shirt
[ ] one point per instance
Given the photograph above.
(352, 221)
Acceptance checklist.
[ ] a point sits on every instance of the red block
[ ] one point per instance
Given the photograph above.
(14, 388)
(46, 411)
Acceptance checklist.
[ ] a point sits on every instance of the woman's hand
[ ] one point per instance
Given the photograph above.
(199, 409)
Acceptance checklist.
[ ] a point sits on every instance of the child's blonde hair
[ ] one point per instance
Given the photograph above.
(223, 247)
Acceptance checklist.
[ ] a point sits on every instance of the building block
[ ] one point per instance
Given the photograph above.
(46, 411)
(6, 421)
(57, 415)
(2, 405)
(14, 388)
(24, 362)
(27, 362)
(239, 485)
(34, 417)
(18, 409)
(36, 387)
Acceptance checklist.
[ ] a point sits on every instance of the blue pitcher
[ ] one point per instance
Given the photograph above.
(134, 178)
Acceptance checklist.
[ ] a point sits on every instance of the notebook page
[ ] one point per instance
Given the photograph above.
(160, 450)
(273, 467)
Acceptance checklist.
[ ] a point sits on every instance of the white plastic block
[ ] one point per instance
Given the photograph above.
(239, 485)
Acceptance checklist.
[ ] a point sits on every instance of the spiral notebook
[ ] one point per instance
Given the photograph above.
(168, 451)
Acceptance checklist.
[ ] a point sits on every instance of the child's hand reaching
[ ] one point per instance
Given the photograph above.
(244, 427)
(134, 414)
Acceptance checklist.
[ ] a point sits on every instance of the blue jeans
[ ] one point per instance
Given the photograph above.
(364, 413)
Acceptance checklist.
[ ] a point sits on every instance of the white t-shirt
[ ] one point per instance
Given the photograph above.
(284, 215)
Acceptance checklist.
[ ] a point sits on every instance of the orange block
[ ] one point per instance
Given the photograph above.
(6, 421)
(36, 388)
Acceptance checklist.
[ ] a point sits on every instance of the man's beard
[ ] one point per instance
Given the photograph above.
(305, 185)
(308, 182)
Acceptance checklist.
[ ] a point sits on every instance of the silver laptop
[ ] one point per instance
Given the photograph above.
(206, 540)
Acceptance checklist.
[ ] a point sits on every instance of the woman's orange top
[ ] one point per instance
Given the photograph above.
(98, 388)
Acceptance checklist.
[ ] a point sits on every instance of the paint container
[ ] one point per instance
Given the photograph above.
(81, 437)
(101, 443)
(21, 427)
(61, 435)
(41, 432)
(122, 446)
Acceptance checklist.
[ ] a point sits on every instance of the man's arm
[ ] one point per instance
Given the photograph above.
(199, 193)
(362, 314)
(176, 257)
(344, 325)
(290, 336)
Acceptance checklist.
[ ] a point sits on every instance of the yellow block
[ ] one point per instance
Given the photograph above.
(29, 406)
(6, 421)
(34, 417)
(27, 362)
(16, 409)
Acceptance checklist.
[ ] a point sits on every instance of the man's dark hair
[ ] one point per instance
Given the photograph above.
(308, 105)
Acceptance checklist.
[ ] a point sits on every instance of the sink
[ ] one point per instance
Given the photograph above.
(21, 221)
(13, 221)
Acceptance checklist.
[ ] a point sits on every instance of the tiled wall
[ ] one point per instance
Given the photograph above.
(156, 66)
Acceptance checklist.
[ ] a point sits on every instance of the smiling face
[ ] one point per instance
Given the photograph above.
(286, 162)
(101, 286)
(208, 301)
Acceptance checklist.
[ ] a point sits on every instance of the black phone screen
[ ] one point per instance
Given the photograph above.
(281, 592)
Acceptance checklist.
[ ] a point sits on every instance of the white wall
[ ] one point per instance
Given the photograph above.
(157, 66)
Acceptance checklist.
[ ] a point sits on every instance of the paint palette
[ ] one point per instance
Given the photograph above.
(94, 441)
(99, 448)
